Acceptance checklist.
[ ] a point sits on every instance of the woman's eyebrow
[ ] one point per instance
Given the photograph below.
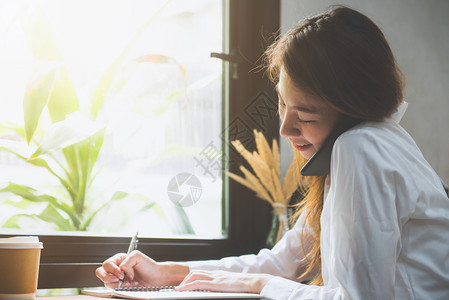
(306, 109)
(301, 108)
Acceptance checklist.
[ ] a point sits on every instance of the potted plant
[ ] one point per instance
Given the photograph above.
(265, 181)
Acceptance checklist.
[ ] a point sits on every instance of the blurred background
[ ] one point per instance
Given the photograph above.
(145, 99)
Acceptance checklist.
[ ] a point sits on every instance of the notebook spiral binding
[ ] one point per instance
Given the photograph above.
(168, 288)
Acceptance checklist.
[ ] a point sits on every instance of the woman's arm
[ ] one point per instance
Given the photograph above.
(286, 259)
(137, 269)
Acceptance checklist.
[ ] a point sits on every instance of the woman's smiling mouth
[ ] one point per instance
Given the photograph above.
(302, 147)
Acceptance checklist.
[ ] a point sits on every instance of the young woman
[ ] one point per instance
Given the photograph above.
(377, 225)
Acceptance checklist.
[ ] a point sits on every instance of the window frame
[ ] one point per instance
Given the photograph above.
(70, 261)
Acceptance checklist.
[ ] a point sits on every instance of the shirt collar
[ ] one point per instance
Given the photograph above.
(399, 113)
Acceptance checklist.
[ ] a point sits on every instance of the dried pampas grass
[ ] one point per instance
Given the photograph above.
(266, 180)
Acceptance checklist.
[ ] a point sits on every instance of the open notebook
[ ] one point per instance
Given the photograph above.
(155, 293)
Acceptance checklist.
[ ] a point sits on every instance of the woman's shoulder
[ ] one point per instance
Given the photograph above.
(382, 149)
(377, 146)
(374, 137)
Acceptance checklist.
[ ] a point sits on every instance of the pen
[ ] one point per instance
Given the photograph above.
(132, 246)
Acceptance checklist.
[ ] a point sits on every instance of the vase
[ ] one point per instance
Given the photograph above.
(279, 224)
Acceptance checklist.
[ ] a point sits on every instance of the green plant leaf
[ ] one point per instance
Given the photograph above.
(118, 195)
(91, 149)
(148, 206)
(29, 193)
(156, 208)
(25, 192)
(43, 46)
(81, 158)
(74, 129)
(36, 97)
(13, 221)
(39, 162)
(63, 100)
(52, 215)
(49, 215)
(22, 204)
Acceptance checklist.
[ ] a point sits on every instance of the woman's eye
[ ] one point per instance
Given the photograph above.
(305, 118)
(304, 121)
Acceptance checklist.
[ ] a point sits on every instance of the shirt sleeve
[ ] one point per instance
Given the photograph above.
(362, 239)
(286, 259)
(364, 230)
(280, 288)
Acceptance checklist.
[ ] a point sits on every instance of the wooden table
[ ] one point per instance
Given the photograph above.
(85, 297)
(72, 297)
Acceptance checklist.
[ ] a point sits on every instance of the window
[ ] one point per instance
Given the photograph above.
(125, 153)
(169, 114)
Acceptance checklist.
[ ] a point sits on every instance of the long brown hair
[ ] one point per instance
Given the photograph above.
(343, 58)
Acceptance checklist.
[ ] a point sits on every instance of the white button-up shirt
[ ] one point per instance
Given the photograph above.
(384, 226)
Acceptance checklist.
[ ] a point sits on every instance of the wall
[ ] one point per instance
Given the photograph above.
(418, 33)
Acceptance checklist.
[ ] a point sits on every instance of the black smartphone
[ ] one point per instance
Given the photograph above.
(320, 163)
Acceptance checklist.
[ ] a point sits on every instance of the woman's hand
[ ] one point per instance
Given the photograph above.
(222, 281)
(137, 269)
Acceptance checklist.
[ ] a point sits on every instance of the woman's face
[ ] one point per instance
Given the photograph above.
(306, 120)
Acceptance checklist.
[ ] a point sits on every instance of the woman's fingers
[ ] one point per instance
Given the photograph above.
(223, 281)
(110, 271)
(111, 265)
(201, 280)
(197, 275)
(203, 285)
(130, 263)
(108, 279)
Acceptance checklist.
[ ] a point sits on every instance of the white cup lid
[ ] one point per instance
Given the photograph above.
(20, 242)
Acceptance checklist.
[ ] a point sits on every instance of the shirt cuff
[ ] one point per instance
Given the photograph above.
(206, 265)
(278, 288)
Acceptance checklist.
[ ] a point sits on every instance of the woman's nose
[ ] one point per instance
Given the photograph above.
(288, 126)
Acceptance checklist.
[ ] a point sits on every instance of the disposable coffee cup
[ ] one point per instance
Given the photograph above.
(19, 267)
